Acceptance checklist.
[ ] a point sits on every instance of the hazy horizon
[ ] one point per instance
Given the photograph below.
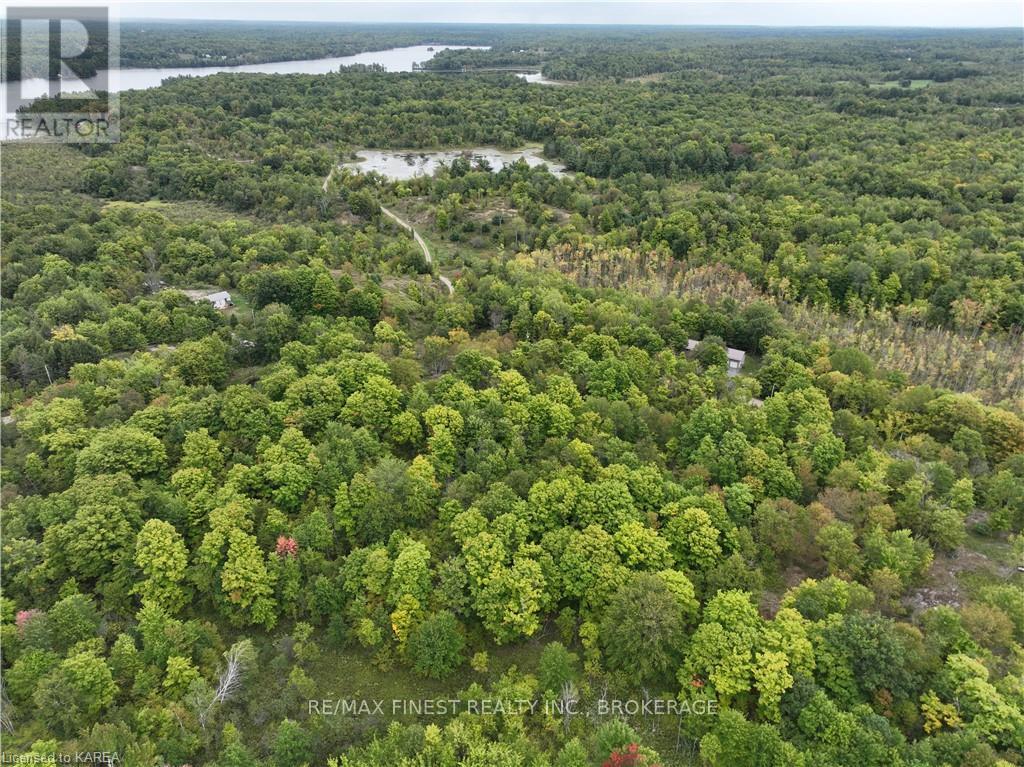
(951, 15)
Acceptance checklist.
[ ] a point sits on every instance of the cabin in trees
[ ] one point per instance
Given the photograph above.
(735, 357)
(220, 299)
(736, 360)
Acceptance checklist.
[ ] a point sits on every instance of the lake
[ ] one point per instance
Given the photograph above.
(392, 59)
(410, 163)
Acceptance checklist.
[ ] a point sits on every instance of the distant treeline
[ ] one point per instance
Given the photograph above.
(585, 53)
(566, 52)
(222, 43)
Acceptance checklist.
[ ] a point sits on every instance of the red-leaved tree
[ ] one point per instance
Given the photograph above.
(287, 547)
(629, 757)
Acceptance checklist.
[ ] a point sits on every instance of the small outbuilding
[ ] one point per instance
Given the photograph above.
(735, 357)
(220, 299)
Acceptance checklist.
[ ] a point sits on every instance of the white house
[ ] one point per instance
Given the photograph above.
(220, 299)
(736, 357)
(736, 360)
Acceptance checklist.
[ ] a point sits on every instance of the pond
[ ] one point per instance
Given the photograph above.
(401, 164)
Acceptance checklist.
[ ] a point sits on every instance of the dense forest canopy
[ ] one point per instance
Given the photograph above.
(545, 484)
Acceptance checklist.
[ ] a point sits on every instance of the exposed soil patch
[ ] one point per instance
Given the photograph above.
(944, 587)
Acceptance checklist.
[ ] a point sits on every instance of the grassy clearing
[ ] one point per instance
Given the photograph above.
(183, 212)
(242, 306)
(914, 84)
(453, 254)
(349, 674)
(997, 551)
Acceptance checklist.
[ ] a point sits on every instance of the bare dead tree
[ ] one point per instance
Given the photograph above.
(6, 708)
(567, 700)
(152, 279)
(238, 660)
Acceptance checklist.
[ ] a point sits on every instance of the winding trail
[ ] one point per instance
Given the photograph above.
(409, 228)
(329, 177)
(419, 241)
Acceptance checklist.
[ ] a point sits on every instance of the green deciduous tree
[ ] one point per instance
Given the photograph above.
(75, 693)
(693, 537)
(161, 555)
(643, 629)
(557, 666)
(721, 652)
(435, 646)
(202, 363)
(126, 449)
(247, 583)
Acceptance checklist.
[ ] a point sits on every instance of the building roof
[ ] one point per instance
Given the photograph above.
(220, 299)
(734, 355)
